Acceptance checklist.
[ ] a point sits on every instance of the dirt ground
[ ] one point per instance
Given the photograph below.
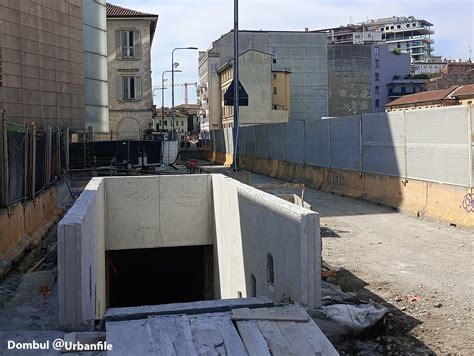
(421, 270)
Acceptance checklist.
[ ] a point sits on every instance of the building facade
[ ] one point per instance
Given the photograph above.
(129, 39)
(264, 89)
(42, 62)
(363, 78)
(303, 53)
(402, 34)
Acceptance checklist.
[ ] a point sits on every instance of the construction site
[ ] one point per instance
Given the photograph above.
(251, 222)
(191, 257)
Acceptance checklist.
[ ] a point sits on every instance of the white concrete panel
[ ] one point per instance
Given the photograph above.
(151, 212)
(251, 224)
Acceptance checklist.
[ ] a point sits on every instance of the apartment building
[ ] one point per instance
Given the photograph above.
(302, 53)
(404, 34)
(129, 39)
(42, 62)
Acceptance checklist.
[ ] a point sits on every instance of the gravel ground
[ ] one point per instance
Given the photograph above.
(421, 270)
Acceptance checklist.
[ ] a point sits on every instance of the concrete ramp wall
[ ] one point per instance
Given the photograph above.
(265, 246)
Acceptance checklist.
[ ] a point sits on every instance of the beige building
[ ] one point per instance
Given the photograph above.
(42, 62)
(269, 92)
(129, 40)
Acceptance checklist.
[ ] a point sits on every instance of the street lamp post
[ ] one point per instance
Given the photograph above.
(172, 82)
(163, 94)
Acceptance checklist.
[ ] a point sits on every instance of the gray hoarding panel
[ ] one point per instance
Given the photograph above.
(261, 138)
(242, 148)
(276, 133)
(294, 141)
(438, 144)
(345, 143)
(317, 142)
(448, 125)
(445, 164)
(249, 141)
(383, 143)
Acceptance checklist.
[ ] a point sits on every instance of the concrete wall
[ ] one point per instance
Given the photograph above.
(81, 259)
(389, 150)
(158, 211)
(242, 223)
(250, 225)
(42, 62)
(349, 78)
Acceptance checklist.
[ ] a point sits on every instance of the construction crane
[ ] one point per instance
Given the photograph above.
(185, 85)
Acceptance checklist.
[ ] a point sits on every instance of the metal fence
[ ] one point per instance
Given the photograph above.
(31, 159)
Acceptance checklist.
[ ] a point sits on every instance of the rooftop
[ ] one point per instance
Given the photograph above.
(118, 11)
(425, 96)
(464, 90)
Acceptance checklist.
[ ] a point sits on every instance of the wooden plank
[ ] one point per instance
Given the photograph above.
(271, 314)
(171, 335)
(129, 338)
(296, 339)
(276, 341)
(316, 338)
(201, 307)
(214, 334)
(252, 338)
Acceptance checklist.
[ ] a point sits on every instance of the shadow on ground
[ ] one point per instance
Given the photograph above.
(391, 336)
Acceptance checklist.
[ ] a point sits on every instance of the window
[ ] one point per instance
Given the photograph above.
(377, 63)
(182, 123)
(274, 76)
(275, 90)
(130, 88)
(391, 27)
(398, 26)
(404, 90)
(128, 44)
(398, 45)
(377, 103)
(377, 77)
(166, 122)
(376, 50)
(275, 107)
(274, 60)
(377, 90)
(469, 102)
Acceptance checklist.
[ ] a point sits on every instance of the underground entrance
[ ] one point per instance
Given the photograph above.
(159, 276)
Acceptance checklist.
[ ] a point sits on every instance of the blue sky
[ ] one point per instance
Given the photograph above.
(184, 23)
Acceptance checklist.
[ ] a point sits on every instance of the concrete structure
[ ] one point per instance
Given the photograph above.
(407, 34)
(129, 39)
(279, 259)
(95, 68)
(302, 53)
(42, 62)
(360, 77)
(255, 75)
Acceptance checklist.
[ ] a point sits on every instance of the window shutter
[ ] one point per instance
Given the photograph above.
(137, 44)
(138, 88)
(118, 83)
(118, 46)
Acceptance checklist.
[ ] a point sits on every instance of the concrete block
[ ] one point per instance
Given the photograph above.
(262, 141)
(345, 143)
